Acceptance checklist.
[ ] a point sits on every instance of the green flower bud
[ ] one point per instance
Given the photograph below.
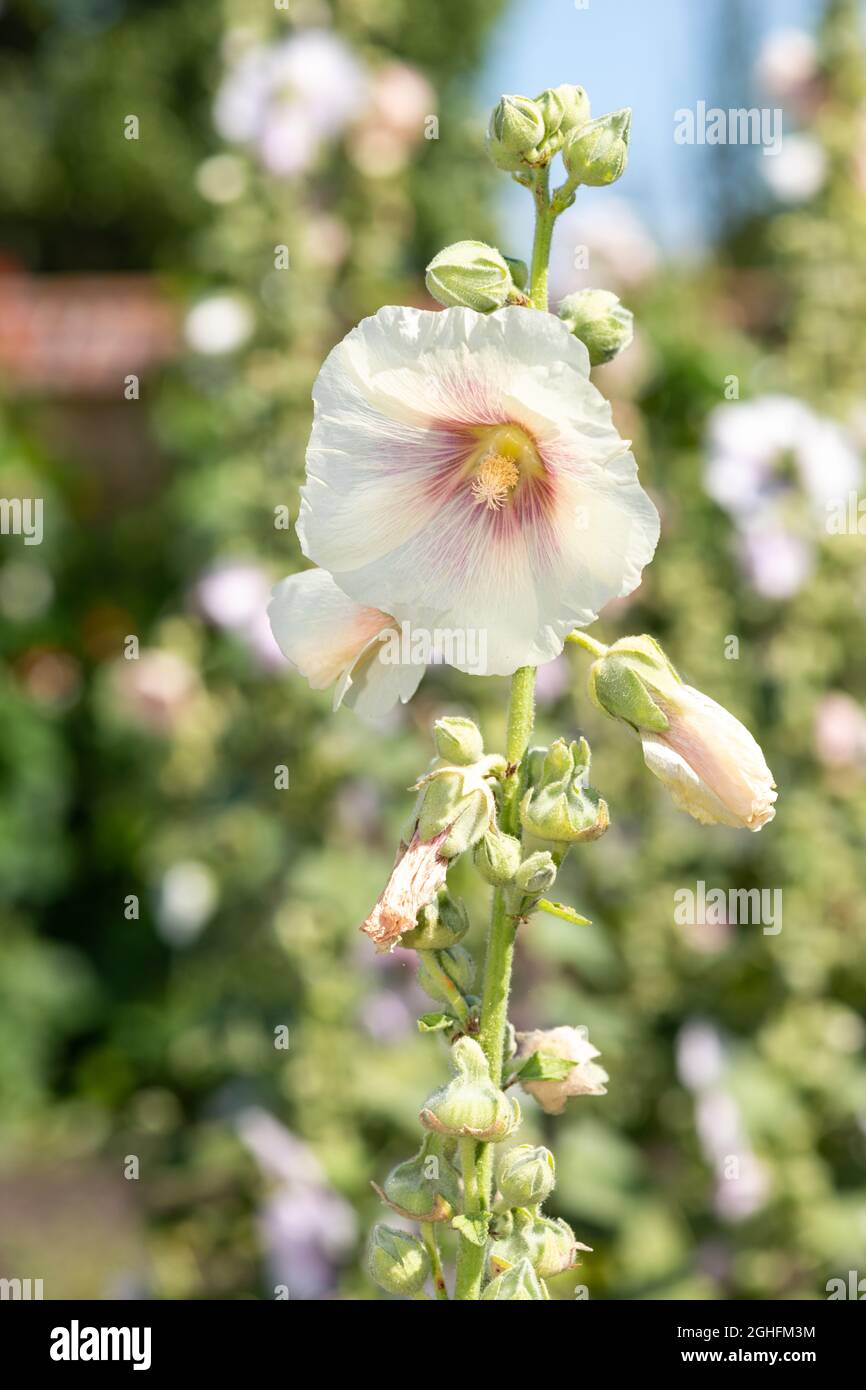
(517, 1245)
(426, 1187)
(497, 857)
(458, 740)
(441, 924)
(519, 272)
(564, 809)
(519, 1282)
(397, 1262)
(598, 319)
(503, 159)
(624, 682)
(470, 1106)
(597, 152)
(458, 803)
(575, 108)
(472, 275)
(526, 1175)
(537, 873)
(457, 964)
(552, 108)
(555, 1247)
(517, 124)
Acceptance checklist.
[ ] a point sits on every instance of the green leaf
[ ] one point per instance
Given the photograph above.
(562, 910)
(472, 1228)
(434, 1023)
(544, 1066)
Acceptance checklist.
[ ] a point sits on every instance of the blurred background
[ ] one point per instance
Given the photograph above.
(196, 202)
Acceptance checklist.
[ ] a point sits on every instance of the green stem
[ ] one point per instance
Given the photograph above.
(470, 1257)
(544, 220)
(589, 644)
(428, 1235)
(497, 978)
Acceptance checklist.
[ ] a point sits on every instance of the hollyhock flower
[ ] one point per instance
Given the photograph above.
(333, 640)
(288, 98)
(463, 474)
(586, 1077)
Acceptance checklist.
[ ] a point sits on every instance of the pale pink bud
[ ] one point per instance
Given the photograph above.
(586, 1077)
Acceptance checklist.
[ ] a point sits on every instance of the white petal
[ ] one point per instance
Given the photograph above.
(395, 402)
(331, 638)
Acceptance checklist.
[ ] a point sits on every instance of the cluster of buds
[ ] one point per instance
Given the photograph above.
(529, 1247)
(526, 133)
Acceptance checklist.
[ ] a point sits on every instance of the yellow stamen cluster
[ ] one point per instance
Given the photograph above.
(494, 481)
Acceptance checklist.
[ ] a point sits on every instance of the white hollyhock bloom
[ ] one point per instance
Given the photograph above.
(330, 638)
(586, 1077)
(463, 474)
(710, 763)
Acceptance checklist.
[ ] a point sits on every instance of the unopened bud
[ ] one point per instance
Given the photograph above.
(397, 1262)
(597, 152)
(471, 275)
(458, 740)
(526, 1175)
(517, 124)
(519, 1283)
(457, 964)
(497, 857)
(424, 1188)
(601, 323)
(441, 924)
(471, 1106)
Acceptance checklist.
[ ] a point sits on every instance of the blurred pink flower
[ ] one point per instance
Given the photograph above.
(287, 99)
(840, 730)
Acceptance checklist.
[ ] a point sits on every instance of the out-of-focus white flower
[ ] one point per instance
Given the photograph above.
(774, 465)
(799, 169)
(605, 244)
(787, 64)
(700, 1055)
(776, 562)
(233, 595)
(840, 730)
(463, 474)
(287, 99)
(187, 898)
(586, 1077)
(219, 324)
(334, 641)
(400, 101)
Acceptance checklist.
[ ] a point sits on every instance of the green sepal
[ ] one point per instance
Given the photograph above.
(562, 910)
(545, 1066)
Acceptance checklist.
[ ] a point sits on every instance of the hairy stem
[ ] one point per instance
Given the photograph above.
(497, 974)
(470, 1257)
(544, 220)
